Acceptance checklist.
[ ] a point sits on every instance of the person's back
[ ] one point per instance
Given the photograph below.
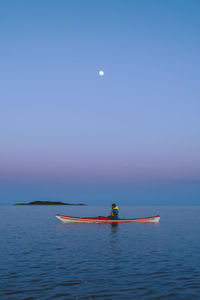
(114, 211)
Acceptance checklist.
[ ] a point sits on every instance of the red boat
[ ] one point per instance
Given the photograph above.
(68, 219)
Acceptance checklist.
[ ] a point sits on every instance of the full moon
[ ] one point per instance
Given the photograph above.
(101, 73)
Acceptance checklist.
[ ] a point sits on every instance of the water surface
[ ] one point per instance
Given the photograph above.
(42, 258)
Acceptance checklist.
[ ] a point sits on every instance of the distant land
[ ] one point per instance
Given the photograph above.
(48, 203)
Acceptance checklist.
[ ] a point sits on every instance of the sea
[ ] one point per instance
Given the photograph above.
(43, 258)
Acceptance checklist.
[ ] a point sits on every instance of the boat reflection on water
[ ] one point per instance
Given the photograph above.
(115, 245)
(114, 227)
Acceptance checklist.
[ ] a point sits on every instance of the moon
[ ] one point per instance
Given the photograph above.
(101, 73)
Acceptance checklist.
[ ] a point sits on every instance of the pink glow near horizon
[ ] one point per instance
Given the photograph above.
(99, 170)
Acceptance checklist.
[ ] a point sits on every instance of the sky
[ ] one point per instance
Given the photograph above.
(68, 134)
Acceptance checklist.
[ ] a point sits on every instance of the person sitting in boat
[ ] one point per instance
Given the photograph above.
(114, 211)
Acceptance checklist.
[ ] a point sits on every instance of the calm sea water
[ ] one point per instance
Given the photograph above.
(42, 258)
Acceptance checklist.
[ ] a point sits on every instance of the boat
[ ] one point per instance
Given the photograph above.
(69, 219)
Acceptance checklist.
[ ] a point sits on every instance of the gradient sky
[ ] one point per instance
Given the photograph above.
(66, 133)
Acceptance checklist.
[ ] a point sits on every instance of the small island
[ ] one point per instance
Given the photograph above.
(48, 203)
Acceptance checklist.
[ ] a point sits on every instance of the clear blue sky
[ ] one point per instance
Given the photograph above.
(66, 133)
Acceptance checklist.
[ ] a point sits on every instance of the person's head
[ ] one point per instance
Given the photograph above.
(114, 205)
